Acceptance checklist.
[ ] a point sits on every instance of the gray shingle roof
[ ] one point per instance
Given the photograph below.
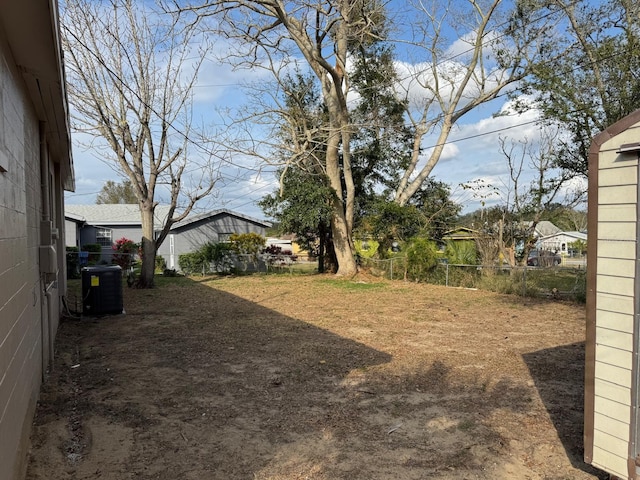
(114, 214)
(129, 214)
(545, 228)
(201, 216)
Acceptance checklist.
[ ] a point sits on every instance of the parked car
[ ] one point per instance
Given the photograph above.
(543, 258)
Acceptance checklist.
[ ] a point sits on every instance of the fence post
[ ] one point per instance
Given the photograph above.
(524, 281)
(391, 260)
(446, 277)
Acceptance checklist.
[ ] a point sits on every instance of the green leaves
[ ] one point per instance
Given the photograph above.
(422, 258)
(114, 192)
(588, 80)
(247, 243)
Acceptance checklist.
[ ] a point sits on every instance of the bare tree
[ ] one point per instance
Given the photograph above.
(273, 34)
(577, 219)
(531, 192)
(131, 72)
(526, 202)
(465, 54)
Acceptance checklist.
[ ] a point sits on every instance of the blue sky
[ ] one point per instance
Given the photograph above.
(472, 152)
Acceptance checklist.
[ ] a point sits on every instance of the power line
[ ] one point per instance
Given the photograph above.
(119, 80)
(202, 148)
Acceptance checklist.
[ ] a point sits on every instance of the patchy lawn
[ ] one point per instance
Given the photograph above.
(309, 377)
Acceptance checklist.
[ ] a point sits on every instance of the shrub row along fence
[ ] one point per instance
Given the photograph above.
(556, 281)
(565, 281)
(191, 264)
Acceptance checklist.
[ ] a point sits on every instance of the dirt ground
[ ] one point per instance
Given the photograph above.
(309, 377)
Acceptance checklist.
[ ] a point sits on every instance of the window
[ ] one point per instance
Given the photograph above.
(224, 237)
(103, 237)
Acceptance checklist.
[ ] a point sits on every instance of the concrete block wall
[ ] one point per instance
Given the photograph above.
(21, 298)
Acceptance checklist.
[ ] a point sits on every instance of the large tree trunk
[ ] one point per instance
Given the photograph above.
(342, 243)
(321, 247)
(148, 247)
(340, 179)
(340, 224)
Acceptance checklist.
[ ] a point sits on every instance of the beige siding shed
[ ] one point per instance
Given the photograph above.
(611, 374)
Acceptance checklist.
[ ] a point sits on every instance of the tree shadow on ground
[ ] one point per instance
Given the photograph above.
(199, 382)
(194, 382)
(558, 374)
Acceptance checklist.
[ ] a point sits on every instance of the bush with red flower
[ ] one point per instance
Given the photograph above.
(124, 253)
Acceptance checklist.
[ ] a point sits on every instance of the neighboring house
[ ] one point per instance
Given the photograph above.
(215, 226)
(561, 242)
(460, 234)
(460, 238)
(282, 242)
(293, 245)
(72, 226)
(612, 370)
(544, 228)
(106, 223)
(35, 169)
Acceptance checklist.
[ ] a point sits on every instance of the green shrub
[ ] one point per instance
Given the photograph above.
(95, 252)
(580, 288)
(73, 263)
(209, 258)
(247, 243)
(462, 252)
(195, 262)
(219, 255)
(161, 263)
(422, 258)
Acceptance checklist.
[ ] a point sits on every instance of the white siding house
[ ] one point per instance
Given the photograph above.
(35, 168)
(561, 242)
(612, 420)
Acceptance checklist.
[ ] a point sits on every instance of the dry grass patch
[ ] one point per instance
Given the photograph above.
(292, 377)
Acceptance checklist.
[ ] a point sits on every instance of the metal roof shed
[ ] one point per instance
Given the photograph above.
(612, 417)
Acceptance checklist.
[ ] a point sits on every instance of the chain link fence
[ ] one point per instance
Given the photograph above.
(77, 260)
(564, 281)
(239, 263)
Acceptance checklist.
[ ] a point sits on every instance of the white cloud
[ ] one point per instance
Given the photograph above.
(463, 47)
(450, 152)
(418, 83)
(484, 133)
(479, 158)
(219, 84)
